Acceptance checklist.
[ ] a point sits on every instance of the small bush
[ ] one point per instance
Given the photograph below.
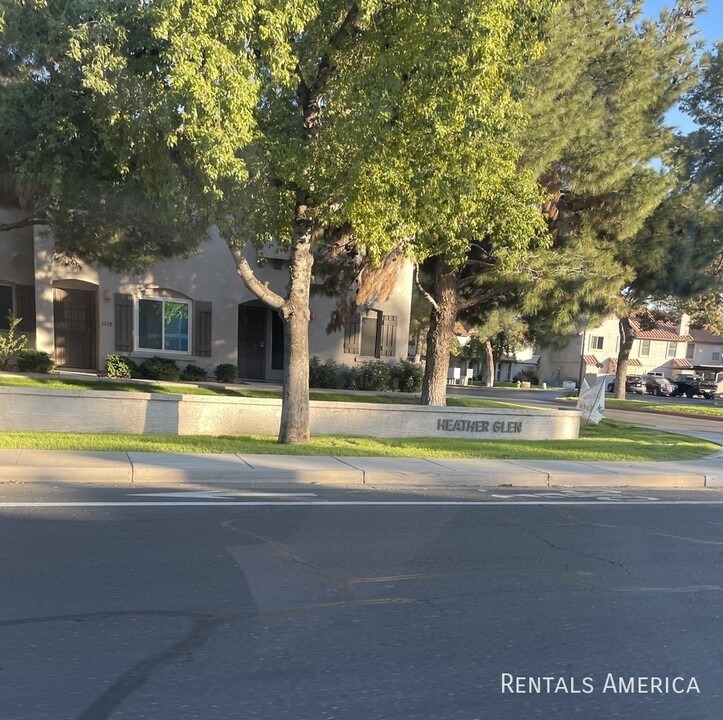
(119, 366)
(408, 376)
(10, 343)
(193, 373)
(225, 373)
(371, 375)
(158, 368)
(327, 374)
(35, 361)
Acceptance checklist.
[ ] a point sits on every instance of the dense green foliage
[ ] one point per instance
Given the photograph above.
(406, 376)
(158, 368)
(316, 124)
(327, 374)
(34, 361)
(194, 373)
(225, 373)
(120, 366)
(371, 375)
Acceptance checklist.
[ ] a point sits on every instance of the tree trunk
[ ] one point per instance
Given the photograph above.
(295, 315)
(626, 343)
(490, 364)
(440, 335)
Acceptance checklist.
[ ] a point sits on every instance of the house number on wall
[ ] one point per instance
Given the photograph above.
(107, 323)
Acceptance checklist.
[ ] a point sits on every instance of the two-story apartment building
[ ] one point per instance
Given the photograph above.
(669, 348)
(194, 311)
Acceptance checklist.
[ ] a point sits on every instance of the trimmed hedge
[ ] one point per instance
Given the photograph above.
(34, 361)
(225, 373)
(157, 368)
(194, 373)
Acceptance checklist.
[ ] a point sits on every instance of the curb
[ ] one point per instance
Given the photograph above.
(137, 476)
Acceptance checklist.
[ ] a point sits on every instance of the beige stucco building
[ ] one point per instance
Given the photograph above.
(194, 311)
(668, 348)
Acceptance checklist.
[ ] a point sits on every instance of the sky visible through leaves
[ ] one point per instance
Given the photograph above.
(711, 28)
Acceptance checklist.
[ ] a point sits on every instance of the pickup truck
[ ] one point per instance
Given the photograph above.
(690, 385)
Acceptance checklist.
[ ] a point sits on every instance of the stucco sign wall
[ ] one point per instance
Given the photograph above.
(139, 413)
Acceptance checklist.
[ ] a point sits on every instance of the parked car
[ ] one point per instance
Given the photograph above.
(633, 384)
(691, 385)
(657, 385)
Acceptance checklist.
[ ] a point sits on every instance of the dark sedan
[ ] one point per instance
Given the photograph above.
(633, 384)
(656, 385)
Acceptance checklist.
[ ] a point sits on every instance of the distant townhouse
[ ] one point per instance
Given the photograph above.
(669, 348)
(194, 311)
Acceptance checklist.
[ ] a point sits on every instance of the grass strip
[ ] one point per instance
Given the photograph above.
(611, 440)
(663, 408)
(329, 396)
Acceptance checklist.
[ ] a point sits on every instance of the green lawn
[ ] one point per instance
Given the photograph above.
(52, 383)
(707, 411)
(610, 440)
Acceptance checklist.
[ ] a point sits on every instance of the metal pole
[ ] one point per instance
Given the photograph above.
(582, 361)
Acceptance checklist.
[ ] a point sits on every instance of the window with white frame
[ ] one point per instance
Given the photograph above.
(596, 342)
(644, 348)
(671, 350)
(690, 351)
(163, 324)
(715, 354)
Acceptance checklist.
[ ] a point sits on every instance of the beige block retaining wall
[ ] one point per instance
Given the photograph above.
(138, 413)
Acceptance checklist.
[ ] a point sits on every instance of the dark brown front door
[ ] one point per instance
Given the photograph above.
(75, 328)
(252, 341)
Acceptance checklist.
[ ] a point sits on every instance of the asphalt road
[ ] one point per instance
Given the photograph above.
(327, 604)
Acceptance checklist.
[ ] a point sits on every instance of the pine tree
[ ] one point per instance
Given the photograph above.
(598, 144)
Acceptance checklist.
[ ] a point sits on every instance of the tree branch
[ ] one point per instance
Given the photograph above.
(25, 222)
(426, 295)
(261, 290)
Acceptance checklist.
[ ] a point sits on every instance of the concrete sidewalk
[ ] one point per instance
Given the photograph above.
(117, 468)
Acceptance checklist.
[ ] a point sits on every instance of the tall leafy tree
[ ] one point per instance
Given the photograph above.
(141, 124)
(598, 144)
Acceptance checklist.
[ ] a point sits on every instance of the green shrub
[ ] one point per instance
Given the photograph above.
(35, 361)
(408, 376)
(328, 374)
(10, 344)
(371, 375)
(225, 373)
(157, 368)
(119, 366)
(193, 373)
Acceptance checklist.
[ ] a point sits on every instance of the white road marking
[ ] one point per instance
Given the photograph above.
(348, 503)
(221, 495)
(612, 496)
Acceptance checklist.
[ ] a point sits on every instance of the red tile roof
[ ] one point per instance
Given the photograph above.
(632, 362)
(662, 331)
